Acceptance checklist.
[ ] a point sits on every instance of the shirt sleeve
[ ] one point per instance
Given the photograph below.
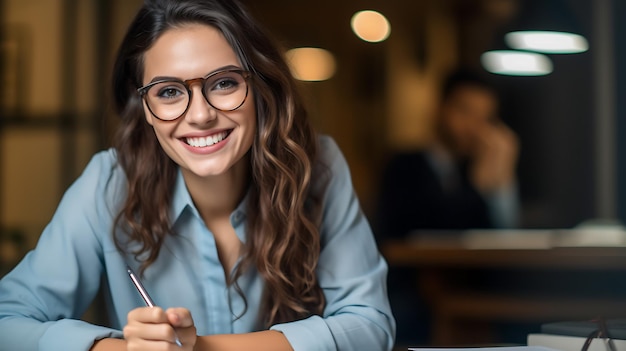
(351, 272)
(43, 298)
(503, 205)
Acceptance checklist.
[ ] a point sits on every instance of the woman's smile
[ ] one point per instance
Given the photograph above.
(206, 144)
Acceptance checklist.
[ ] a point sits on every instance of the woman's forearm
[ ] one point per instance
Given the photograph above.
(109, 345)
(269, 340)
(259, 341)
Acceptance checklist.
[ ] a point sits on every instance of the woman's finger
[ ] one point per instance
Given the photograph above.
(148, 331)
(147, 315)
(151, 345)
(179, 317)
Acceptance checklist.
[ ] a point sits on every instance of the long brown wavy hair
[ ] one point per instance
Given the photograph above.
(283, 239)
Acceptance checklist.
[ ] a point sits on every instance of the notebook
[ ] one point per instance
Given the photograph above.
(616, 328)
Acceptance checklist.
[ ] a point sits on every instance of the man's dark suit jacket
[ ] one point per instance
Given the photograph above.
(413, 198)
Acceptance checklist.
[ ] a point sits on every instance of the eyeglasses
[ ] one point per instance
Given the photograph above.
(169, 99)
(601, 332)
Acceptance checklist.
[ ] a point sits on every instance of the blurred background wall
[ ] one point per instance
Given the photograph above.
(57, 55)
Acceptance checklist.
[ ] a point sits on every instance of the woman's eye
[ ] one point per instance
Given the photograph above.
(225, 84)
(169, 93)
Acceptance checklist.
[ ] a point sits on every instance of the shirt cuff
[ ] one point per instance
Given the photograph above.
(74, 335)
(311, 334)
(503, 207)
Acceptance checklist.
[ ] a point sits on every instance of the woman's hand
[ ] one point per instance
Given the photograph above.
(152, 328)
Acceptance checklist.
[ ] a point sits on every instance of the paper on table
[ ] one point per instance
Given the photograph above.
(512, 348)
(527, 239)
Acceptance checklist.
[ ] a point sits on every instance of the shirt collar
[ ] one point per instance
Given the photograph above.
(181, 198)
(238, 217)
(182, 201)
(441, 159)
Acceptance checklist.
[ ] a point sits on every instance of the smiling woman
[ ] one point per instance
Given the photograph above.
(219, 119)
(242, 221)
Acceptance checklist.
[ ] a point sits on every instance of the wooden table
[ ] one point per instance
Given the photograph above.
(462, 315)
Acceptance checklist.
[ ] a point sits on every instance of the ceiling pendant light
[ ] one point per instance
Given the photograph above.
(516, 63)
(549, 42)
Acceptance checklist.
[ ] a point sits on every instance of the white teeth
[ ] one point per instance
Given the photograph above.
(207, 141)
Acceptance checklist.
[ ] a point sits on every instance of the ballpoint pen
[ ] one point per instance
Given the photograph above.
(146, 297)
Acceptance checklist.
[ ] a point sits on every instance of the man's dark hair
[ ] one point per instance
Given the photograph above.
(463, 77)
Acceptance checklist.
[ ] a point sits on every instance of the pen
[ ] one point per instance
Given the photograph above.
(146, 297)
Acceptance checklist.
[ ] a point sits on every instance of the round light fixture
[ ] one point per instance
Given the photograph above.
(311, 64)
(370, 26)
(516, 63)
(549, 42)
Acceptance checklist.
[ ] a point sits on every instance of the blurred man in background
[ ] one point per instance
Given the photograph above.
(466, 178)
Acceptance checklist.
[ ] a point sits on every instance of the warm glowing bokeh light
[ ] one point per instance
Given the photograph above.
(311, 64)
(516, 63)
(547, 42)
(370, 26)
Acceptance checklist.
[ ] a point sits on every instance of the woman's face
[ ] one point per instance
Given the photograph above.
(204, 141)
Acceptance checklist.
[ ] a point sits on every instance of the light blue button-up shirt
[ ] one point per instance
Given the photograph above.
(43, 298)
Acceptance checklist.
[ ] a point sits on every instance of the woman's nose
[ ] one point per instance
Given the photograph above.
(199, 111)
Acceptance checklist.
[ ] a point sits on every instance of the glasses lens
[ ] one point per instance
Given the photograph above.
(226, 91)
(167, 100)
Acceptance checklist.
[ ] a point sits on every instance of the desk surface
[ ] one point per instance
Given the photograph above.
(465, 310)
(446, 250)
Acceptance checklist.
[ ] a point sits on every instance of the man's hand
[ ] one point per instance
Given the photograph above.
(495, 158)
